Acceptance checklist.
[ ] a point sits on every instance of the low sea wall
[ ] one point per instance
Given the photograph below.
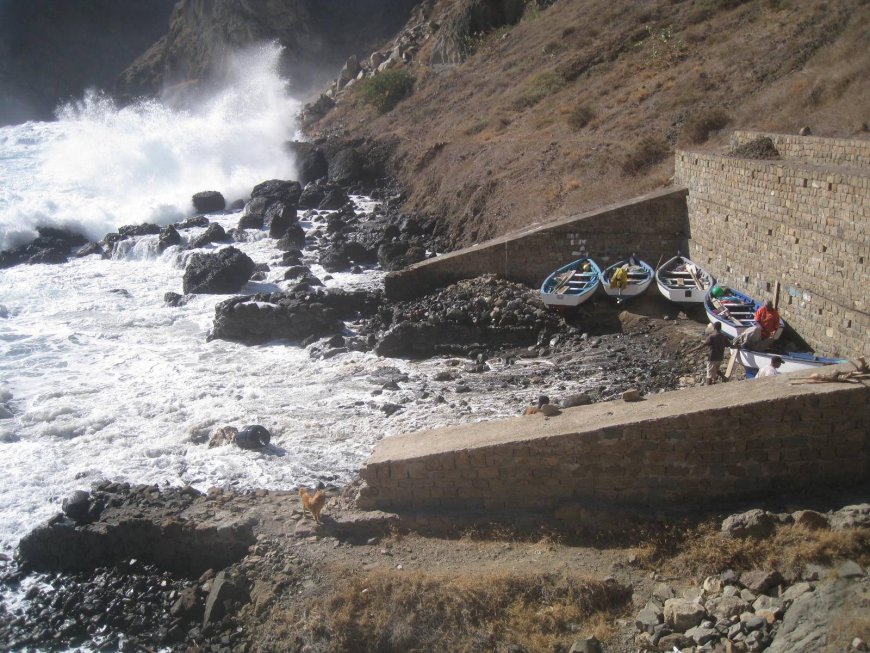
(653, 225)
(740, 440)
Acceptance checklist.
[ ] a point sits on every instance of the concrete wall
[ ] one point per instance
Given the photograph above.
(653, 225)
(690, 447)
(795, 221)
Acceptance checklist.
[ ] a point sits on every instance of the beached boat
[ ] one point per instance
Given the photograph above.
(639, 276)
(791, 362)
(733, 310)
(571, 284)
(682, 280)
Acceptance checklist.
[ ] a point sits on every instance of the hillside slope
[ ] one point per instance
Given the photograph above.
(581, 103)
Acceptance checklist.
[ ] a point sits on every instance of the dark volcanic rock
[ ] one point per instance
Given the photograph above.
(51, 246)
(294, 239)
(276, 190)
(90, 249)
(168, 237)
(310, 161)
(209, 201)
(223, 272)
(270, 316)
(346, 166)
(279, 218)
(213, 234)
(335, 198)
(253, 436)
(485, 312)
(133, 230)
(400, 254)
(312, 196)
(197, 221)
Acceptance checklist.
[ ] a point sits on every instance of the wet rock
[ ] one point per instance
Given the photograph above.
(223, 436)
(223, 272)
(168, 237)
(144, 229)
(293, 240)
(175, 300)
(198, 221)
(214, 233)
(310, 161)
(209, 201)
(90, 249)
(335, 198)
(253, 436)
(77, 505)
(345, 167)
(270, 316)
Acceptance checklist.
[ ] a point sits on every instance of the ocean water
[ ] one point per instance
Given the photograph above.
(100, 380)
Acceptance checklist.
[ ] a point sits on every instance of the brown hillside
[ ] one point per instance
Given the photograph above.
(581, 104)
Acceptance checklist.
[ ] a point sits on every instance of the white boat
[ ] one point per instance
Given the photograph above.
(733, 310)
(640, 275)
(682, 280)
(571, 284)
(791, 362)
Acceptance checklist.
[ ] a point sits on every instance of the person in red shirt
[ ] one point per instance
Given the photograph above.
(768, 319)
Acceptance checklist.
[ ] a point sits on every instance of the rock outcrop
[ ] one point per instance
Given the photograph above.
(223, 272)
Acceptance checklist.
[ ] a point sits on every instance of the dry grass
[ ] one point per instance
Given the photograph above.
(705, 550)
(698, 127)
(649, 151)
(393, 611)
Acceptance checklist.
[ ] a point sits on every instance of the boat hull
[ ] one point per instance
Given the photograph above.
(639, 279)
(736, 313)
(570, 286)
(795, 362)
(681, 286)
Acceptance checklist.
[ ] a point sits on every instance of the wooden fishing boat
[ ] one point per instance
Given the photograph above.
(571, 284)
(682, 280)
(791, 362)
(640, 276)
(733, 310)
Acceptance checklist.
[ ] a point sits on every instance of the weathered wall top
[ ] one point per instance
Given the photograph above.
(817, 150)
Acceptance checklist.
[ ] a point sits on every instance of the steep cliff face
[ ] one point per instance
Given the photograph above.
(51, 50)
(317, 37)
(508, 120)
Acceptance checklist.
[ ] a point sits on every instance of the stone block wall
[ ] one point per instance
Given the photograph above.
(653, 225)
(753, 223)
(814, 149)
(686, 448)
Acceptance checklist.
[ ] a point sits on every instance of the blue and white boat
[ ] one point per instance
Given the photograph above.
(640, 275)
(571, 284)
(682, 280)
(791, 362)
(733, 310)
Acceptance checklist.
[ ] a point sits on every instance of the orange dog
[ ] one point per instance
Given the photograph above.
(313, 503)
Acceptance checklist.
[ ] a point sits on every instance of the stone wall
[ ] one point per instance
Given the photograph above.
(753, 223)
(813, 149)
(685, 448)
(653, 225)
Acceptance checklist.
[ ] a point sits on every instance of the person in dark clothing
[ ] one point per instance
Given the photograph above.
(717, 344)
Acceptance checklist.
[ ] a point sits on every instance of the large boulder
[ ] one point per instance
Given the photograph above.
(682, 614)
(346, 167)
(293, 239)
(270, 316)
(399, 254)
(51, 246)
(222, 272)
(209, 201)
(310, 161)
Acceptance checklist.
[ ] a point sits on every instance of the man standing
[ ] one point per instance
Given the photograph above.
(717, 343)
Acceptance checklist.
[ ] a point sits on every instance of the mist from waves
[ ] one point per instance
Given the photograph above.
(100, 166)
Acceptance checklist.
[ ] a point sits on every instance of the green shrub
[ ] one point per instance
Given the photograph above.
(649, 151)
(580, 116)
(699, 125)
(386, 89)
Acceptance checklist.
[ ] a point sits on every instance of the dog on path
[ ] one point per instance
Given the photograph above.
(313, 503)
